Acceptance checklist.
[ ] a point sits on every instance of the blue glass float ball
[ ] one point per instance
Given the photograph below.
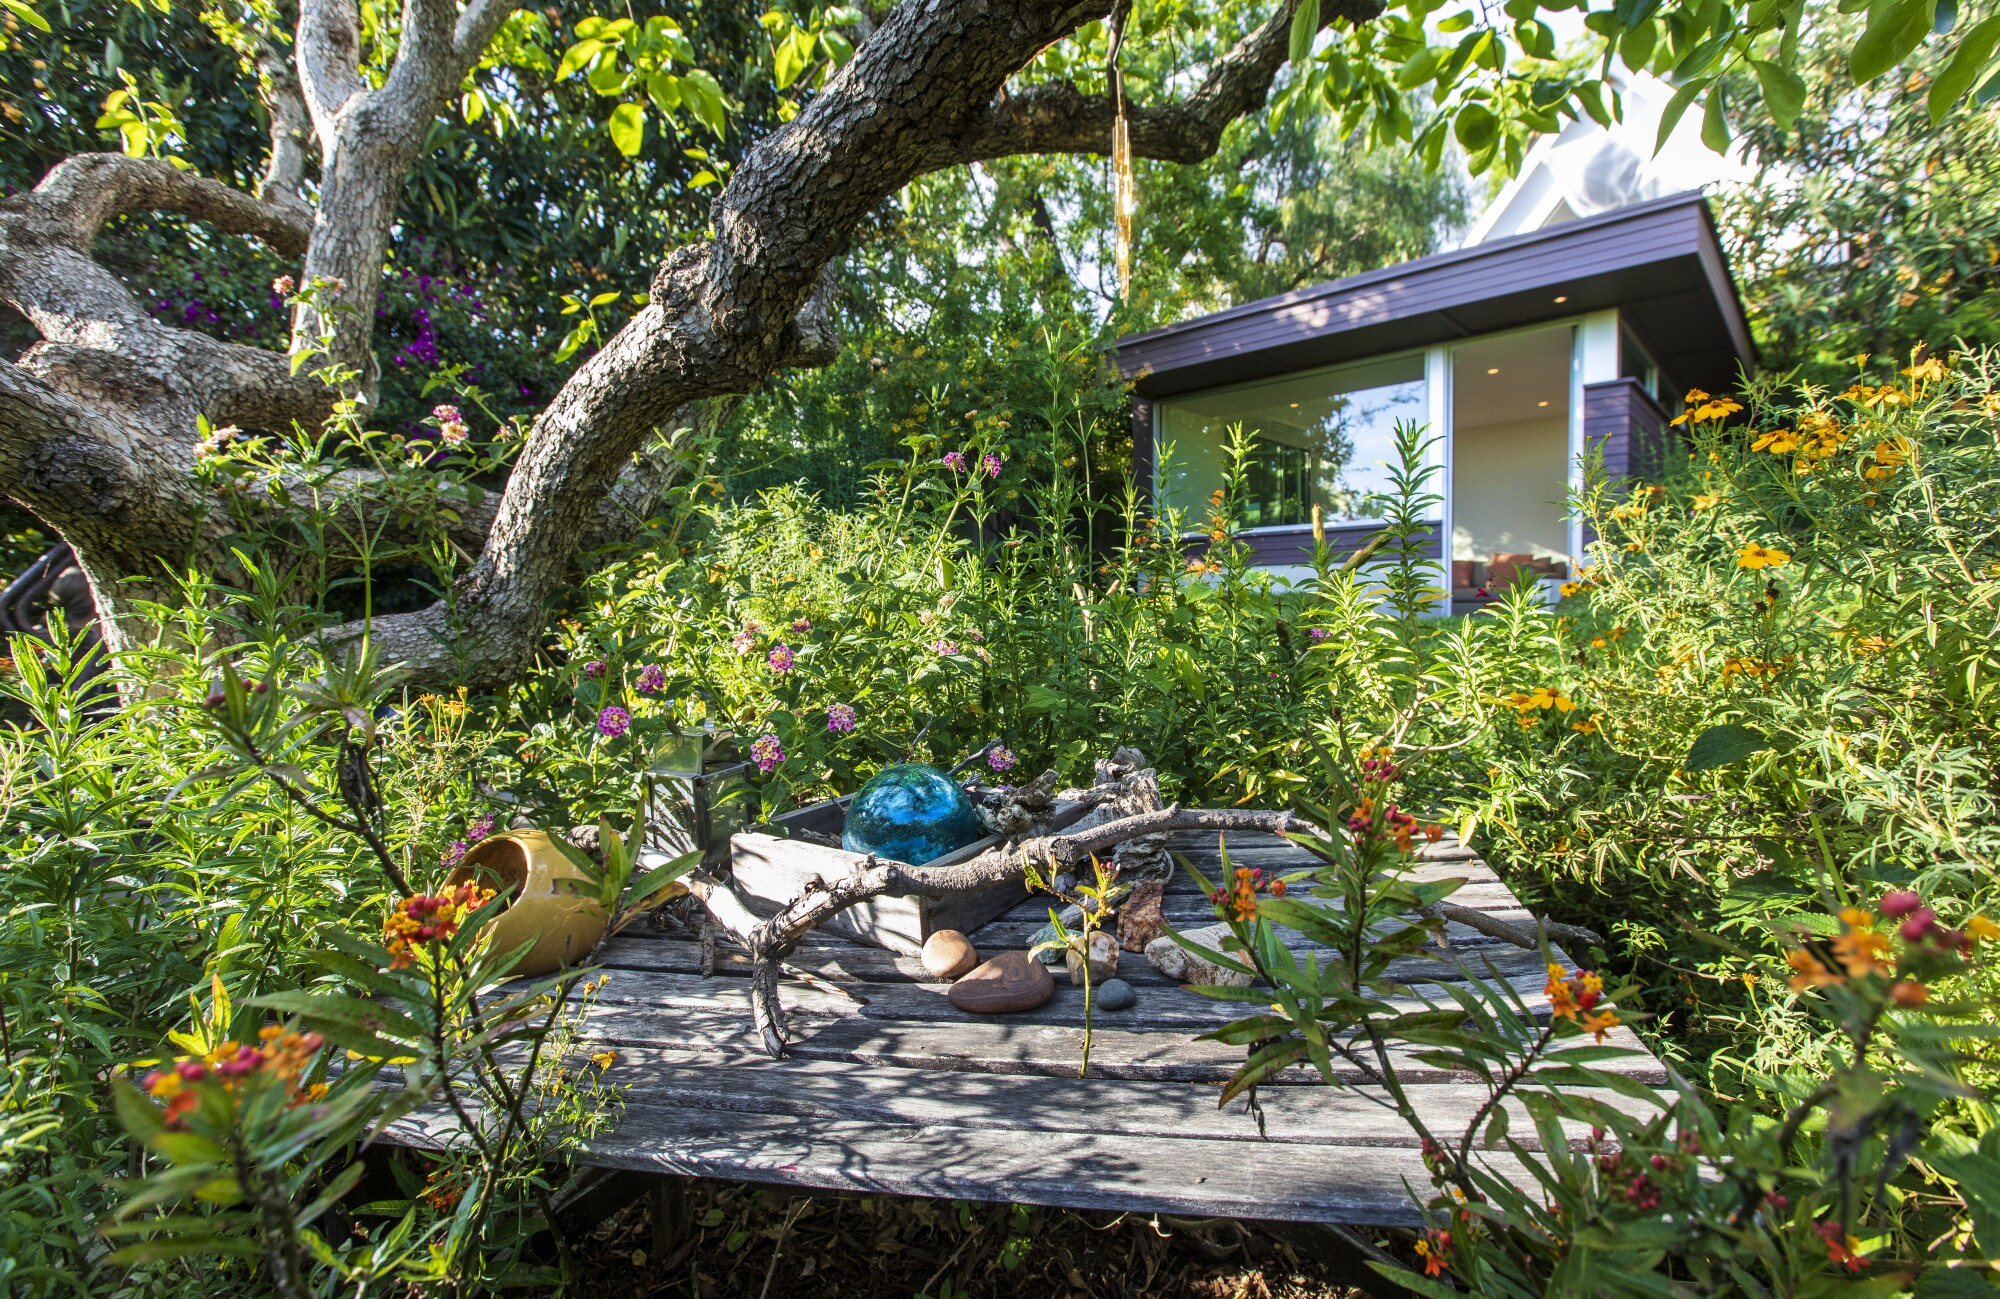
(911, 813)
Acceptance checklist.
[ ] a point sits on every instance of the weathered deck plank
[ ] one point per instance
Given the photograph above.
(904, 1093)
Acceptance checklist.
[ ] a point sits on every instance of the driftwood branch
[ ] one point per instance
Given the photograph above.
(1528, 935)
(1121, 779)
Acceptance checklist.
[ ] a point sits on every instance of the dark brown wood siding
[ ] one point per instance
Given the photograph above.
(1273, 547)
(1142, 447)
(1621, 419)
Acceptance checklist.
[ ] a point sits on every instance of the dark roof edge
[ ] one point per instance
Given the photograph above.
(1738, 317)
(1686, 198)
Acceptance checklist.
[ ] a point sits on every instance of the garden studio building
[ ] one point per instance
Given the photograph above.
(1519, 352)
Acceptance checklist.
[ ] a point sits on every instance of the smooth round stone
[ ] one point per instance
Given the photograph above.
(1010, 981)
(948, 954)
(1103, 959)
(1113, 994)
(910, 813)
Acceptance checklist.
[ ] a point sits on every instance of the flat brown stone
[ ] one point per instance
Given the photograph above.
(948, 954)
(1010, 981)
(1139, 918)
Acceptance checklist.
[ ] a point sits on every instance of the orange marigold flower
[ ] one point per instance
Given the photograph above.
(1982, 930)
(1808, 971)
(1860, 947)
(1909, 993)
(1841, 1248)
(427, 918)
(1576, 996)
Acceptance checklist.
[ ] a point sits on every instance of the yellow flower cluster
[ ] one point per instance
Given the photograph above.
(1928, 370)
(1873, 398)
(1541, 698)
(1585, 578)
(280, 1054)
(1817, 437)
(428, 918)
(1701, 408)
(1576, 996)
(1755, 556)
(1749, 667)
(1888, 457)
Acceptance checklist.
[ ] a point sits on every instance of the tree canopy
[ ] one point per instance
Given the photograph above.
(581, 224)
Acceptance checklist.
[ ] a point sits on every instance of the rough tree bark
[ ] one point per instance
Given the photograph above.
(97, 421)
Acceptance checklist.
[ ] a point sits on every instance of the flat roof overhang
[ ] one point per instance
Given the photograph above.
(1660, 263)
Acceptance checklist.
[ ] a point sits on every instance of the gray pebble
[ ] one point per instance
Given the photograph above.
(1113, 994)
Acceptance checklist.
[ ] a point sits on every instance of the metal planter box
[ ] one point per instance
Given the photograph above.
(772, 871)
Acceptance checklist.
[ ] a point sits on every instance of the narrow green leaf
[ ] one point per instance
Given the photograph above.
(1958, 76)
(26, 13)
(1715, 127)
(1677, 108)
(1305, 27)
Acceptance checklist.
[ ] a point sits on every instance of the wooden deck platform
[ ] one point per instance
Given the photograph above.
(907, 1095)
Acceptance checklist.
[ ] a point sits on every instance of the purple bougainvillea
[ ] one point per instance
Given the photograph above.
(840, 717)
(782, 659)
(992, 464)
(613, 722)
(954, 460)
(767, 753)
(594, 669)
(651, 678)
(1001, 758)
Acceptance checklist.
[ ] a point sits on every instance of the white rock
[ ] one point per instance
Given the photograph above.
(1176, 962)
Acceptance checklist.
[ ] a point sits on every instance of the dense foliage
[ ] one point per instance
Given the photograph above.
(1870, 227)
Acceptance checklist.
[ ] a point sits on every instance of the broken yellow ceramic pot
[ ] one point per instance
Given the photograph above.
(550, 900)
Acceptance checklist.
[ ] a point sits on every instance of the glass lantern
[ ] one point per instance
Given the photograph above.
(698, 794)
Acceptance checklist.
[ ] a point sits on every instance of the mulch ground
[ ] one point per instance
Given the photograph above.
(739, 1240)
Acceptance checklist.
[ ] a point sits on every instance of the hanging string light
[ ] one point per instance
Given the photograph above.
(1124, 192)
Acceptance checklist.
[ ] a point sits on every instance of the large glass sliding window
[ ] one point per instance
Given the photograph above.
(1325, 438)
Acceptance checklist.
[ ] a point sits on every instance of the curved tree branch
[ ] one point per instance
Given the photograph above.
(80, 194)
(1056, 117)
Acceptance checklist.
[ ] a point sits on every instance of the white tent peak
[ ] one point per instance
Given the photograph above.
(1585, 169)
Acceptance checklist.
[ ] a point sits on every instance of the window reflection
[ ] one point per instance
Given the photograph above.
(1322, 438)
